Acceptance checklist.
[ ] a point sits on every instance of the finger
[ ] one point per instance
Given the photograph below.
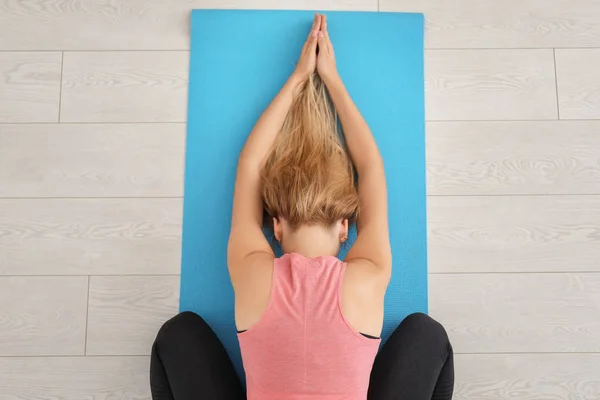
(315, 27)
(314, 36)
(316, 22)
(311, 44)
(325, 33)
(323, 45)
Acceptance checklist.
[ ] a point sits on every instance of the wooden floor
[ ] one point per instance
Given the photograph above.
(92, 128)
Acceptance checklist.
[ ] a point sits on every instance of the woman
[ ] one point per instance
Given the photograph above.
(308, 323)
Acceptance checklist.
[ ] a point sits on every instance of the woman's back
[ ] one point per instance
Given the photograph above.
(303, 346)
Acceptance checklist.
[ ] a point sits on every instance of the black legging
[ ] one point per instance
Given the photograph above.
(189, 363)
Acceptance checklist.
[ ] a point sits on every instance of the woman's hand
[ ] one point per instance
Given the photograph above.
(308, 57)
(326, 58)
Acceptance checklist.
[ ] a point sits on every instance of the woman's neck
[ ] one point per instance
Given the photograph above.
(311, 241)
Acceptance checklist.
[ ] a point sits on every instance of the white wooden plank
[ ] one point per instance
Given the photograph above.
(527, 376)
(490, 85)
(90, 236)
(126, 312)
(74, 378)
(504, 313)
(92, 160)
(125, 24)
(29, 85)
(513, 234)
(505, 24)
(136, 86)
(524, 157)
(42, 315)
(578, 74)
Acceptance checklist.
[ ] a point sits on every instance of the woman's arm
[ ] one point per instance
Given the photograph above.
(372, 244)
(246, 239)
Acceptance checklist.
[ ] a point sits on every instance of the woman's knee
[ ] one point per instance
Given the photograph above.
(181, 328)
(425, 327)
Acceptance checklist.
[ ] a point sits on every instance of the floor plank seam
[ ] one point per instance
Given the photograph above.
(93, 123)
(556, 84)
(510, 120)
(92, 50)
(511, 48)
(90, 198)
(517, 273)
(76, 356)
(516, 195)
(157, 275)
(530, 352)
(87, 314)
(62, 69)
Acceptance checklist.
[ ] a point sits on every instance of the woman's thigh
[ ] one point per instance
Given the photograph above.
(415, 363)
(189, 362)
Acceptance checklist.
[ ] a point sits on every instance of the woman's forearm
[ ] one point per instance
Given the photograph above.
(269, 124)
(359, 139)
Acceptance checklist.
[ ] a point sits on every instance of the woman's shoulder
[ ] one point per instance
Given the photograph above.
(363, 293)
(252, 291)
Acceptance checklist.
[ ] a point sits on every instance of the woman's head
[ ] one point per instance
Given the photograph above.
(308, 178)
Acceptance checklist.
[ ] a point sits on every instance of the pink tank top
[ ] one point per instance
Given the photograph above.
(302, 347)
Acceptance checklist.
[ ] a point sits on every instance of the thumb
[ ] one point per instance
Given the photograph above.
(322, 41)
(312, 41)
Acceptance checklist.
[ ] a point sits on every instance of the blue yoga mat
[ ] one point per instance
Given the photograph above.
(239, 61)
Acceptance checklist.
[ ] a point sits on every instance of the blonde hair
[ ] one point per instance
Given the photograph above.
(308, 177)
